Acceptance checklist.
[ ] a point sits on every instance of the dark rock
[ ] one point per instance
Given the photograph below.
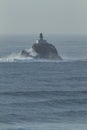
(46, 50)
(24, 53)
(42, 49)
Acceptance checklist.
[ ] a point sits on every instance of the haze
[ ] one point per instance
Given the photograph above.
(48, 16)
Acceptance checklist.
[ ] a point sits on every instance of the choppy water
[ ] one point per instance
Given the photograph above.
(43, 94)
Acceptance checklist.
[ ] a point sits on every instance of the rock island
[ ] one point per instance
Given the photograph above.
(42, 49)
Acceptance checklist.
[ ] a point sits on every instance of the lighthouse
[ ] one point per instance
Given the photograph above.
(41, 36)
(41, 40)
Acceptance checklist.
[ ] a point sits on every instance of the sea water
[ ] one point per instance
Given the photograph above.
(43, 94)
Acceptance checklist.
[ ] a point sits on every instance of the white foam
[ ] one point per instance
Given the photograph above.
(32, 52)
(16, 57)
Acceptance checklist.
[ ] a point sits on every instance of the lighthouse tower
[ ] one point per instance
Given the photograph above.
(41, 40)
(41, 36)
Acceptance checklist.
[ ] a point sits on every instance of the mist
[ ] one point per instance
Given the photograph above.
(48, 16)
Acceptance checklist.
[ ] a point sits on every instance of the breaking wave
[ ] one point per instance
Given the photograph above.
(16, 57)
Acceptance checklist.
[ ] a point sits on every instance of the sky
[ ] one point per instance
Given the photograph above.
(48, 16)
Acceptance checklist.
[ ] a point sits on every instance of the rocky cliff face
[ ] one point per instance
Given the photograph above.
(46, 50)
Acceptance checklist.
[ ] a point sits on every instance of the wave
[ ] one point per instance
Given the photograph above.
(43, 126)
(16, 57)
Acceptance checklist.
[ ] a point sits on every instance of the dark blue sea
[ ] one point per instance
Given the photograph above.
(43, 94)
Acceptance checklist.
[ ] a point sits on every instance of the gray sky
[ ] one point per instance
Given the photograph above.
(48, 16)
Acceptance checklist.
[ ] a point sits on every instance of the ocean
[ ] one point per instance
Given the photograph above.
(43, 94)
